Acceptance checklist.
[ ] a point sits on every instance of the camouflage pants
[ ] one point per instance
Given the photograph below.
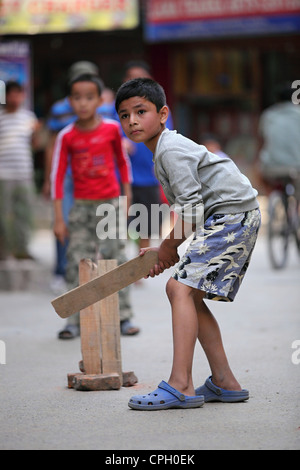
(16, 218)
(84, 243)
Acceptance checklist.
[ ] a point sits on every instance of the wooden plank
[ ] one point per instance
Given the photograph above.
(90, 323)
(110, 326)
(103, 286)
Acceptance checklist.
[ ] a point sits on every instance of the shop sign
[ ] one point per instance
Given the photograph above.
(181, 19)
(15, 65)
(53, 16)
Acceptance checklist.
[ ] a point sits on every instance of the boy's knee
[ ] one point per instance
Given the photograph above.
(177, 289)
(170, 288)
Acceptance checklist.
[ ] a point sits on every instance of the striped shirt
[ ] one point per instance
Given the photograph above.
(16, 129)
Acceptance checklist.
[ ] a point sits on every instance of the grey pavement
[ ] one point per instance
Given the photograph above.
(38, 411)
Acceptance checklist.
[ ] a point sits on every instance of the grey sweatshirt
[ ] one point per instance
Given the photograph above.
(198, 183)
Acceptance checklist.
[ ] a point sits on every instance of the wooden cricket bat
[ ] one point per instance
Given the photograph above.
(102, 286)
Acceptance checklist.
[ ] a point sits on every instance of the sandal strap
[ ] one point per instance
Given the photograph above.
(213, 387)
(165, 386)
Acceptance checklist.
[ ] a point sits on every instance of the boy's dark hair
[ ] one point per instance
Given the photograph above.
(143, 87)
(87, 77)
(13, 85)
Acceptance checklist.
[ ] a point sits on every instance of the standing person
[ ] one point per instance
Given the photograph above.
(17, 131)
(146, 189)
(92, 144)
(61, 115)
(217, 204)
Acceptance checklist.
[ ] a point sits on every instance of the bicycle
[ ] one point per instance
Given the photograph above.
(284, 220)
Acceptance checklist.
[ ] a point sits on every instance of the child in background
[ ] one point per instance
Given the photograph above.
(216, 203)
(94, 146)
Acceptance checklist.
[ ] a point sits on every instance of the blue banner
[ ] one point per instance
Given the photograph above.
(228, 27)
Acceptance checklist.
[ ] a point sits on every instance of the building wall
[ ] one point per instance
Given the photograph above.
(222, 86)
(218, 86)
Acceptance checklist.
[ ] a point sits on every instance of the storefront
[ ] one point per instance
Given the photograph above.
(61, 32)
(41, 39)
(220, 62)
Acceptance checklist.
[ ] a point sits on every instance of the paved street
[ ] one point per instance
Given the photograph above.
(38, 411)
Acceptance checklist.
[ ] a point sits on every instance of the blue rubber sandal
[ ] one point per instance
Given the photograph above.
(164, 398)
(213, 393)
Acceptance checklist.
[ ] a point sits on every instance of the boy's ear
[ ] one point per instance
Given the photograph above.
(164, 113)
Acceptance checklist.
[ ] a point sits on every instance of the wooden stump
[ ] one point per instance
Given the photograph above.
(101, 365)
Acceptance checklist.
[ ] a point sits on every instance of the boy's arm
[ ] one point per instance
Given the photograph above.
(58, 171)
(59, 166)
(59, 228)
(123, 161)
(124, 166)
(188, 205)
(181, 168)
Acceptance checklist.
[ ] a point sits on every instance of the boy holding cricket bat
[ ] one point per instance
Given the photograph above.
(215, 203)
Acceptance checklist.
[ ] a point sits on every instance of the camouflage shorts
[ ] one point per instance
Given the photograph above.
(84, 243)
(219, 254)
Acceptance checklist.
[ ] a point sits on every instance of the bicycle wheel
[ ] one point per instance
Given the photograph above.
(297, 226)
(278, 231)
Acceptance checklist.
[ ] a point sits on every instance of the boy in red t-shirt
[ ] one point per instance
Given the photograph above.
(94, 146)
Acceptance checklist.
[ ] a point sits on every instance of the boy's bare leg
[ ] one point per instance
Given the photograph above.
(191, 318)
(210, 339)
(185, 330)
